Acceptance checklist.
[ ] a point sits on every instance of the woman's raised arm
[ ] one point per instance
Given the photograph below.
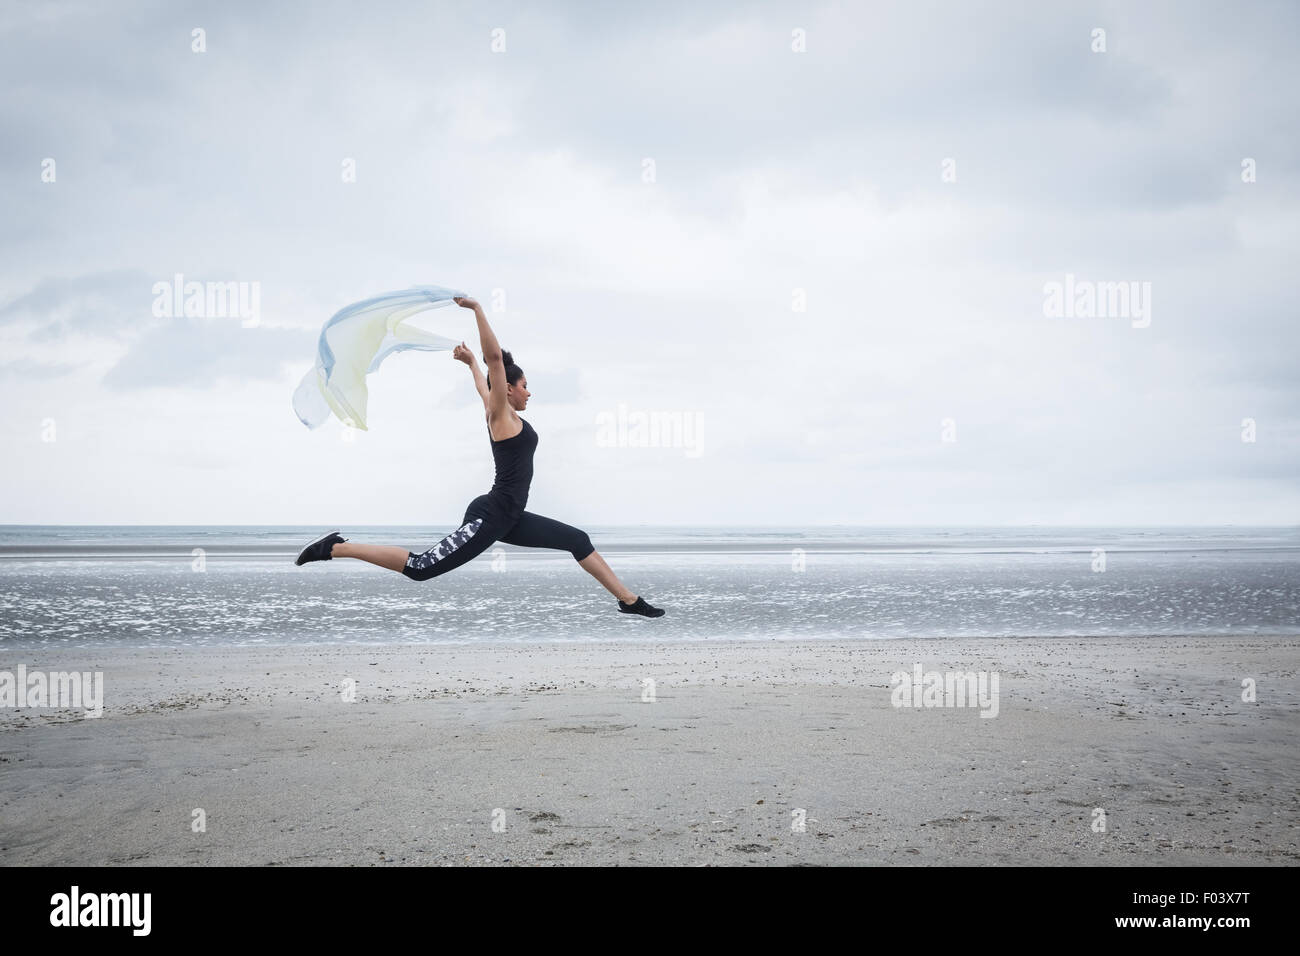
(496, 369)
(461, 353)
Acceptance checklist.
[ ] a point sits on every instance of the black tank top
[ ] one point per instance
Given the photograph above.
(514, 464)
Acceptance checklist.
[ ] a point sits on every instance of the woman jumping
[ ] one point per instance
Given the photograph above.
(498, 515)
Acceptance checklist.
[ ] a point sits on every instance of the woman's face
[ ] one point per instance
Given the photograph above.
(517, 394)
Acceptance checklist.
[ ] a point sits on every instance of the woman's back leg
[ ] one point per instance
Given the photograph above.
(464, 544)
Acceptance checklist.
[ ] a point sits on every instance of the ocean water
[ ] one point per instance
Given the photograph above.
(97, 586)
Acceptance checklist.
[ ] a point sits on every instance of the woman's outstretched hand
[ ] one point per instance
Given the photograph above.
(461, 354)
(465, 302)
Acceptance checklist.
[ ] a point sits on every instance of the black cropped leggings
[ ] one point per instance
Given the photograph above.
(485, 523)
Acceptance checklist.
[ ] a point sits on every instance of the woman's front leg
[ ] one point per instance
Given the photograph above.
(595, 565)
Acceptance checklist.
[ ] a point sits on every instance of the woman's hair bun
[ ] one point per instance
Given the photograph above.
(507, 359)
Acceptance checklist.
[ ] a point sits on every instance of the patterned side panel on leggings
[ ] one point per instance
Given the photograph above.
(445, 547)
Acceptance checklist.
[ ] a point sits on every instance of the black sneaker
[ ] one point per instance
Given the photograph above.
(319, 550)
(639, 606)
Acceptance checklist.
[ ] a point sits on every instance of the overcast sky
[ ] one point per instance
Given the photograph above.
(658, 189)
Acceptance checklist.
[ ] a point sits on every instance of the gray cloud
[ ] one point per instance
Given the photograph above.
(201, 353)
(104, 304)
(29, 370)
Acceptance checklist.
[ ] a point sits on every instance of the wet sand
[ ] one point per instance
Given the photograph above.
(739, 753)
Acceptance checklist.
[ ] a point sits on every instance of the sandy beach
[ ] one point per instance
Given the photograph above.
(700, 753)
